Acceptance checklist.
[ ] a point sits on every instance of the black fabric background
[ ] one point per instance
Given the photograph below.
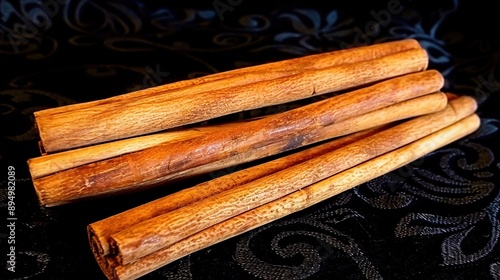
(437, 218)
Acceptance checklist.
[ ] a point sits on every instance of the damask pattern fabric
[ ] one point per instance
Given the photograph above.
(436, 218)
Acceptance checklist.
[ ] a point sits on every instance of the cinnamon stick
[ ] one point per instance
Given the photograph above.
(164, 230)
(107, 263)
(406, 109)
(53, 163)
(139, 169)
(152, 113)
(103, 229)
(256, 73)
(414, 107)
(291, 203)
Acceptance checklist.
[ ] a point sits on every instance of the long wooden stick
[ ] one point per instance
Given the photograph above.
(164, 230)
(139, 169)
(254, 73)
(294, 202)
(100, 231)
(414, 107)
(406, 109)
(53, 163)
(103, 229)
(57, 162)
(118, 120)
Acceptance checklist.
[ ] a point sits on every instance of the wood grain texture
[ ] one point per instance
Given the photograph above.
(57, 162)
(101, 230)
(253, 73)
(53, 163)
(414, 107)
(117, 120)
(164, 230)
(294, 202)
(142, 168)
(402, 110)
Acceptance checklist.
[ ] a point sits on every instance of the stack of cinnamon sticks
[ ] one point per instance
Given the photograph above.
(126, 143)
